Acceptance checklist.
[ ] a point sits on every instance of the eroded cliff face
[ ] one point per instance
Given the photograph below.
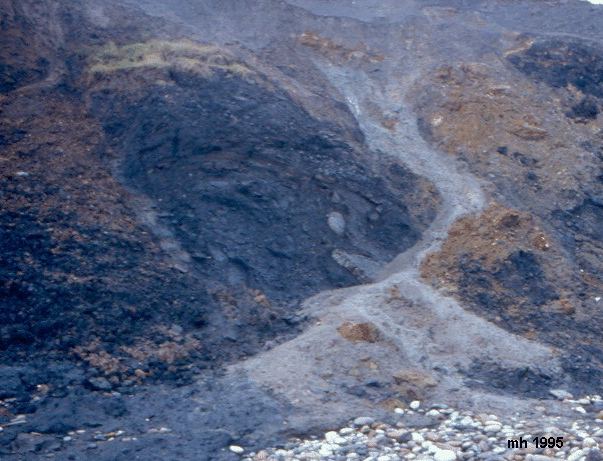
(179, 180)
(529, 123)
(181, 172)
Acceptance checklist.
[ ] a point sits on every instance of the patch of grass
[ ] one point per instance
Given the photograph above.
(184, 54)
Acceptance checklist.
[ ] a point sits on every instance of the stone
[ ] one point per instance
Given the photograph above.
(444, 455)
(236, 449)
(100, 384)
(492, 428)
(561, 394)
(363, 421)
(594, 455)
(334, 437)
(418, 420)
(589, 442)
(359, 332)
(336, 222)
(325, 450)
(464, 423)
(416, 437)
(400, 436)
(576, 455)
(415, 405)
(528, 132)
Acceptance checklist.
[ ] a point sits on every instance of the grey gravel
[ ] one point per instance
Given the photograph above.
(456, 435)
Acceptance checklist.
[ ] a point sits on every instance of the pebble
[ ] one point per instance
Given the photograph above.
(576, 455)
(441, 433)
(415, 405)
(363, 421)
(325, 450)
(589, 442)
(334, 437)
(444, 455)
(416, 437)
(492, 428)
(236, 449)
(561, 394)
(336, 222)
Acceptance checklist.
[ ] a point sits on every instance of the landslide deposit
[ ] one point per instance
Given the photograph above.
(228, 223)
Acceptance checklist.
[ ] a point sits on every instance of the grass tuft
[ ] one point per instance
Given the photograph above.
(154, 54)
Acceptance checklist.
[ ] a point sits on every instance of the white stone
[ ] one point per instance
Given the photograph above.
(589, 442)
(325, 450)
(416, 437)
(336, 222)
(444, 455)
(576, 455)
(346, 431)
(466, 422)
(429, 446)
(492, 428)
(334, 437)
(236, 449)
(415, 405)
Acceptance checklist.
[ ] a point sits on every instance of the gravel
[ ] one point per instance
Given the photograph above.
(458, 435)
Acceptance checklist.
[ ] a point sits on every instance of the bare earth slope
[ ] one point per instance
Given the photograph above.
(231, 222)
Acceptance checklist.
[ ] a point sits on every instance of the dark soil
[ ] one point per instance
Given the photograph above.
(522, 381)
(245, 178)
(560, 63)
